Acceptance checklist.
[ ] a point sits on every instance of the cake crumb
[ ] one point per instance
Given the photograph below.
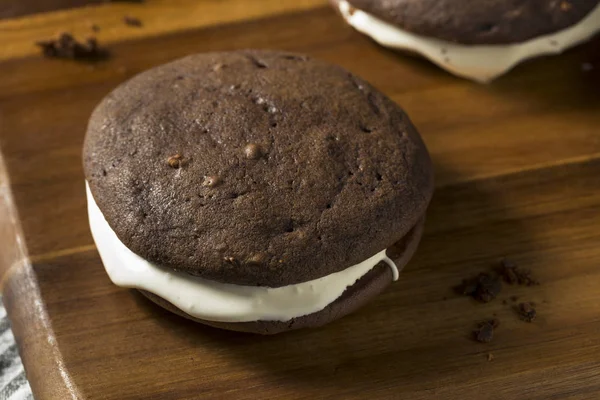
(512, 274)
(490, 357)
(66, 46)
(484, 287)
(132, 21)
(527, 312)
(485, 331)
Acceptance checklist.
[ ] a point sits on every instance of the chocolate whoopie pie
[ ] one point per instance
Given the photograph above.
(478, 41)
(256, 191)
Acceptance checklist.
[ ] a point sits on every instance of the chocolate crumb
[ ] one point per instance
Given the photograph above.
(485, 331)
(66, 46)
(484, 287)
(504, 302)
(490, 357)
(514, 298)
(252, 151)
(512, 274)
(132, 21)
(175, 161)
(95, 28)
(527, 312)
(211, 181)
(351, 10)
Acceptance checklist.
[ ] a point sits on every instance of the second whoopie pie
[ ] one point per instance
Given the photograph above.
(477, 40)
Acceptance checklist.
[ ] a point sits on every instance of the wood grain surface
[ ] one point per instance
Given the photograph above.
(518, 174)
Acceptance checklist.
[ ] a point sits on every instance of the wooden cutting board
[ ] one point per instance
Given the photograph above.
(518, 175)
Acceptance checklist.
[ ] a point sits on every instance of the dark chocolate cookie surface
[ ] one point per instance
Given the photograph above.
(480, 22)
(254, 167)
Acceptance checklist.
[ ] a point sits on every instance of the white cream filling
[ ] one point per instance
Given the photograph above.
(215, 301)
(478, 62)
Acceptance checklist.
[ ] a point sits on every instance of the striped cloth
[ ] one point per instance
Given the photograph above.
(13, 383)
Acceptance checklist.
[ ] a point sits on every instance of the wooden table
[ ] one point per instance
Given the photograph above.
(518, 174)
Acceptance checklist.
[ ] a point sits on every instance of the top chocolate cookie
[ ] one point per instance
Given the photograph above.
(255, 167)
(479, 22)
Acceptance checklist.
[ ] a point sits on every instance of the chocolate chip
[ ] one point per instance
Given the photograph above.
(258, 63)
(232, 261)
(365, 128)
(527, 312)
(211, 181)
(175, 161)
(252, 151)
(218, 67)
(256, 259)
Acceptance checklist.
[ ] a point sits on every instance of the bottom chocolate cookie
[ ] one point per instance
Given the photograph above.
(355, 296)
